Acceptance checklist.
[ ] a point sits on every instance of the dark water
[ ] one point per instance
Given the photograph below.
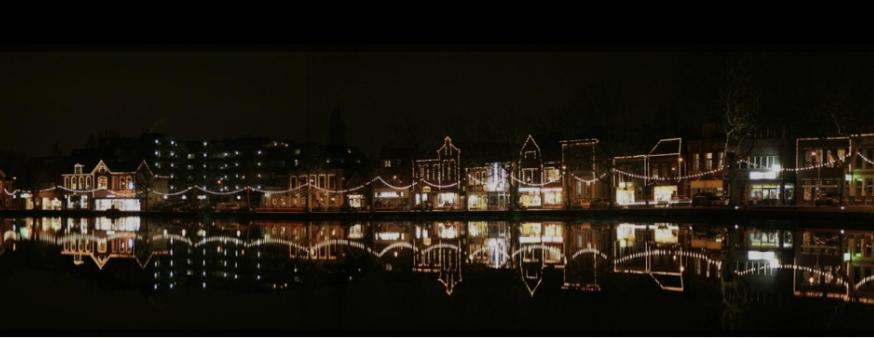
(576, 277)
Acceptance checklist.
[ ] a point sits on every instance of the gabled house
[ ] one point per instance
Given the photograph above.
(537, 177)
(439, 178)
(130, 189)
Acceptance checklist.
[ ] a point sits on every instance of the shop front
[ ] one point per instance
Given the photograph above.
(447, 200)
(529, 197)
(356, 201)
(625, 193)
(477, 199)
(664, 194)
(121, 204)
(766, 188)
(551, 197)
(390, 200)
(707, 186)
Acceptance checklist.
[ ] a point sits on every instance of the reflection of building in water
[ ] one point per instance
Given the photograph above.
(707, 242)
(439, 245)
(276, 253)
(540, 246)
(489, 243)
(586, 257)
(858, 254)
(754, 260)
(393, 243)
(820, 253)
(109, 239)
(327, 241)
(654, 250)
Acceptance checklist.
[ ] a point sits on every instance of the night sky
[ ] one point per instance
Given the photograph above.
(389, 97)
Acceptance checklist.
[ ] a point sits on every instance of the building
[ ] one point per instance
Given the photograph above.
(392, 191)
(324, 178)
(537, 177)
(759, 178)
(705, 162)
(438, 179)
(487, 184)
(657, 177)
(665, 164)
(584, 179)
(860, 190)
(821, 165)
(629, 181)
(128, 188)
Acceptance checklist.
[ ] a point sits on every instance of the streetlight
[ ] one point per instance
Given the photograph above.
(818, 175)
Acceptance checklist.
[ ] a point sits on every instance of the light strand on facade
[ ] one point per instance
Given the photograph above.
(865, 158)
(438, 186)
(513, 177)
(394, 186)
(588, 181)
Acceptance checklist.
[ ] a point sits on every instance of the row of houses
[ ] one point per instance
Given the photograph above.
(770, 170)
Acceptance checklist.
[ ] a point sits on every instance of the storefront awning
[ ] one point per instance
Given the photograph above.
(707, 184)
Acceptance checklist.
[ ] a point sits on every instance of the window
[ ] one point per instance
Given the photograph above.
(708, 161)
(102, 182)
(695, 159)
(387, 163)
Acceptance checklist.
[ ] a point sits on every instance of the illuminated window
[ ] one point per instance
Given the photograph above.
(102, 182)
(387, 164)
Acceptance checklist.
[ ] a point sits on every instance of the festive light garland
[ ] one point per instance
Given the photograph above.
(280, 191)
(865, 158)
(438, 186)
(445, 186)
(394, 186)
(513, 177)
(588, 181)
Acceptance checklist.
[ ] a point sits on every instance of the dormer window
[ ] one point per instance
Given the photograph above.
(77, 169)
(388, 164)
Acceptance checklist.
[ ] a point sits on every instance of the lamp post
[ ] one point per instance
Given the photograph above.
(818, 175)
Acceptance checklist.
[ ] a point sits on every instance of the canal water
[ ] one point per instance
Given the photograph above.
(513, 276)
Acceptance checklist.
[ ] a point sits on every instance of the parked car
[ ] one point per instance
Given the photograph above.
(828, 199)
(600, 203)
(707, 199)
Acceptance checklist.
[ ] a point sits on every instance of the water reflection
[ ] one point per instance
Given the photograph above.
(747, 264)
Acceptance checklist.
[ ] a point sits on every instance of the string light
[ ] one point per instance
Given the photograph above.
(438, 186)
(865, 158)
(394, 186)
(668, 178)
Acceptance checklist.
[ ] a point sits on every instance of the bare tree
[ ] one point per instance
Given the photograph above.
(739, 104)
